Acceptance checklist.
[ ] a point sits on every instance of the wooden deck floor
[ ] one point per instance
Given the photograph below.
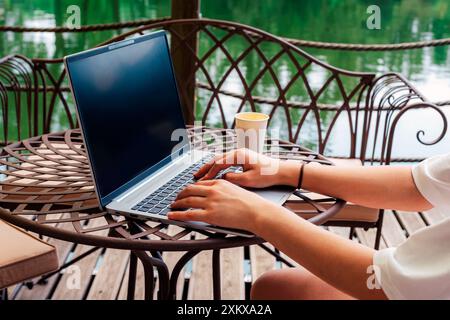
(103, 275)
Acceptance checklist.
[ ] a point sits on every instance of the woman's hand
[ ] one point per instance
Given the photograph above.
(259, 171)
(221, 203)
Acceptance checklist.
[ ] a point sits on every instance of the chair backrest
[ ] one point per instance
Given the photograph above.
(224, 68)
(390, 98)
(16, 98)
(235, 68)
(34, 95)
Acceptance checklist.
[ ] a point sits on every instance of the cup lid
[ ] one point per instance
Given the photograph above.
(262, 116)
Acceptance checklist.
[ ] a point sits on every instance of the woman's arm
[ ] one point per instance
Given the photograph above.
(342, 263)
(381, 187)
(375, 187)
(338, 261)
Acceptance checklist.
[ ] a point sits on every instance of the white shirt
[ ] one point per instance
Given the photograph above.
(419, 268)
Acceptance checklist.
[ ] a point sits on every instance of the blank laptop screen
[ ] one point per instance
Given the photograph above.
(128, 106)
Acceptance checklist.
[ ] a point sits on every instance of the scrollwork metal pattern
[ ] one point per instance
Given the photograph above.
(367, 104)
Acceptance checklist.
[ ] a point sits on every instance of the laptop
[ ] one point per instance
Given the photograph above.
(129, 111)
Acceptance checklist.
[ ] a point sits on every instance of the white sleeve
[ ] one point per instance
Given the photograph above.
(419, 268)
(432, 178)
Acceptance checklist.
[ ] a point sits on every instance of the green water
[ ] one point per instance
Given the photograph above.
(320, 20)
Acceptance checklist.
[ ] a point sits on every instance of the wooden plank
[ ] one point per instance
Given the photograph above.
(411, 221)
(171, 258)
(367, 238)
(11, 291)
(139, 293)
(71, 288)
(201, 284)
(232, 274)
(261, 261)
(140, 283)
(67, 289)
(107, 282)
(392, 232)
(123, 293)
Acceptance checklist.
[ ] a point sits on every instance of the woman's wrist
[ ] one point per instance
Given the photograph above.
(262, 215)
(267, 217)
(289, 172)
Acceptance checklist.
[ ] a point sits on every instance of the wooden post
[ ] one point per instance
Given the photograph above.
(183, 60)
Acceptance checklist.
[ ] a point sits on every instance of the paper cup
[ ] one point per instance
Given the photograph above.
(251, 128)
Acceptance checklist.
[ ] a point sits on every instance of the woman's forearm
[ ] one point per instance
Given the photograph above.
(375, 187)
(342, 263)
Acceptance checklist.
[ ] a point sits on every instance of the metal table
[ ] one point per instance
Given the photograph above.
(45, 182)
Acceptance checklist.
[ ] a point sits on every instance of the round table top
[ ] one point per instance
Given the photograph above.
(46, 187)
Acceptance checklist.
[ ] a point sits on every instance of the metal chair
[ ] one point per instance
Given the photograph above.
(225, 67)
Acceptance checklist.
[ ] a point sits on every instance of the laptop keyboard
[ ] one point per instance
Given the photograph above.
(159, 201)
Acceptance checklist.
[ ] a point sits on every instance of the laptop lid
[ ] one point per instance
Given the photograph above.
(128, 108)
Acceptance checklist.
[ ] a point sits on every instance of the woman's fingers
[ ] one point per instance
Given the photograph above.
(193, 190)
(190, 215)
(207, 183)
(240, 178)
(189, 202)
(212, 168)
(204, 169)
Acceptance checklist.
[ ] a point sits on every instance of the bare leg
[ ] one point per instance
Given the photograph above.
(294, 284)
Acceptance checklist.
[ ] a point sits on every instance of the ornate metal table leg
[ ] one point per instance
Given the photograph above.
(164, 284)
(163, 273)
(149, 282)
(176, 272)
(147, 263)
(132, 276)
(216, 274)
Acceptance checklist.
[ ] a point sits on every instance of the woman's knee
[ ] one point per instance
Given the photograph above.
(272, 284)
(261, 287)
(293, 284)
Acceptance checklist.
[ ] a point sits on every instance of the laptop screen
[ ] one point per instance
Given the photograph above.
(128, 106)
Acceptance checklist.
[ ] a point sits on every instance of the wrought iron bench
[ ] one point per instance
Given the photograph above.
(226, 67)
